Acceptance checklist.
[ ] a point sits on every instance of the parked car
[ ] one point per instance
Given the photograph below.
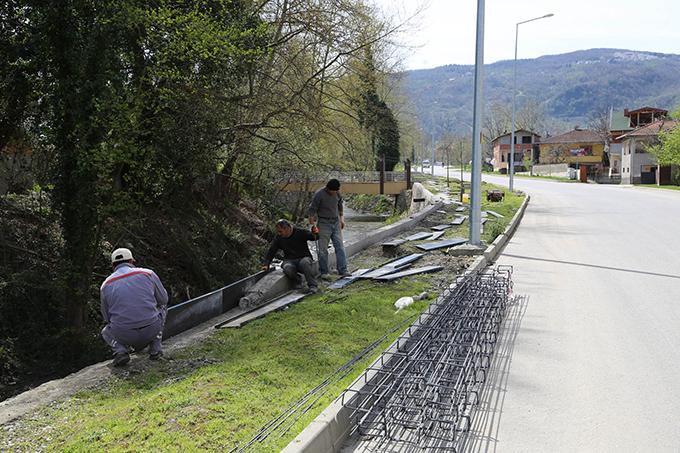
(426, 163)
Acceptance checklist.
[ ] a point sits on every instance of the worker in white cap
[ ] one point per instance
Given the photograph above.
(134, 305)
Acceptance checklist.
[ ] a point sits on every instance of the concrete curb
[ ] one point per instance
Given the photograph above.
(51, 391)
(330, 429)
(497, 246)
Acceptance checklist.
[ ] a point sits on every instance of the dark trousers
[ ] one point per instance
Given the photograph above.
(123, 339)
(304, 265)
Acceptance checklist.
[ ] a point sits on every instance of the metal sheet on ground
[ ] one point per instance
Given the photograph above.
(441, 244)
(384, 271)
(440, 227)
(394, 265)
(495, 214)
(460, 209)
(458, 221)
(437, 235)
(405, 259)
(259, 312)
(393, 243)
(418, 236)
(342, 282)
(484, 221)
(413, 271)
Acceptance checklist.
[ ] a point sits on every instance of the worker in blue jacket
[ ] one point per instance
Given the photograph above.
(134, 306)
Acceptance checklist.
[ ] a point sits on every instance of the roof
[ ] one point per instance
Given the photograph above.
(652, 129)
(620, 122)
(574, 136)
(644, 110)
(516, 132)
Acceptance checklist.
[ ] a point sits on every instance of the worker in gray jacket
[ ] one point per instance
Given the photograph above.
(134, 304)
(326, 208)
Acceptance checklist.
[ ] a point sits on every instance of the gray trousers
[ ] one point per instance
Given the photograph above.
(330, 231)
(123, 339)
(304, 265)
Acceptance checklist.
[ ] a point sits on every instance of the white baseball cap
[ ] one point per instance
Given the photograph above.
(121, 255)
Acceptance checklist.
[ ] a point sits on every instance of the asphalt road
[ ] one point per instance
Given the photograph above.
(591, 356)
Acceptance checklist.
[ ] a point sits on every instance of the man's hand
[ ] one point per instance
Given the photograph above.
(265, 267)
(342, 223)
(315, 229)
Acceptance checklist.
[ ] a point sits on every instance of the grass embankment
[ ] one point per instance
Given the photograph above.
(252, 375)
(216, 395)
(522, 175)
(494, 227)
(654, 186)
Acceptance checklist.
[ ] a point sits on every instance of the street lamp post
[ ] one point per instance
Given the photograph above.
(475, 224)
(511, 171)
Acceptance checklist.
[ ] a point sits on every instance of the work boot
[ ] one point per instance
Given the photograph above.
(326, 277)
(156, 355)
(121, 359)
(345, 274)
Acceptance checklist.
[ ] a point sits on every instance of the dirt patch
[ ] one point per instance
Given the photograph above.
(376, 255)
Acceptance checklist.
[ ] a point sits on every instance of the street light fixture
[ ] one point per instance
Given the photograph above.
(511, 171)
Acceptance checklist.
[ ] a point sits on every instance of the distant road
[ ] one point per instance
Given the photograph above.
(595, 364)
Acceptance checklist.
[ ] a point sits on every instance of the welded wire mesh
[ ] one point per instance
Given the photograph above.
(423, 391)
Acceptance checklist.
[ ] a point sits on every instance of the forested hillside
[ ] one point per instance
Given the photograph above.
(567, 87)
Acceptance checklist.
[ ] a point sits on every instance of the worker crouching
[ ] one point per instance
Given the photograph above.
(296, 254)
(134, 306)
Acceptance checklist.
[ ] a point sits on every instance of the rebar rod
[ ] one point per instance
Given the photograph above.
(424, 392)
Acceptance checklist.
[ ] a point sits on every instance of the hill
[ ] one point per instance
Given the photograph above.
(569, 86)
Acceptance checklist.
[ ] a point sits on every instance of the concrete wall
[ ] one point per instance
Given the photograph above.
(184, 316)
(550, 170)
(372, 188)
(420, 211)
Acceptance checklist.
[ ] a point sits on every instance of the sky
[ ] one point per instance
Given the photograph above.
(444, 32)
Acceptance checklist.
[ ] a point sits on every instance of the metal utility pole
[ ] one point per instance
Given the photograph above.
(476, 170)
(511, 162)
(462, 183)
(448, 163)
(433, 155)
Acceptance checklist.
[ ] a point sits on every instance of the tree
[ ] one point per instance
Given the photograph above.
(598, 122)
(133, 100)
(375, 117)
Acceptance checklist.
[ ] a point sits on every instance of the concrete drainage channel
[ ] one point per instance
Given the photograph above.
(332, 428)
(192, 320)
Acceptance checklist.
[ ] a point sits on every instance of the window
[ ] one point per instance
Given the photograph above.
(526, 139)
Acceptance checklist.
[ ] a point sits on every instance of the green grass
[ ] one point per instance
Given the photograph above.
(494, 227)
(548, 178)
(654, 186)
(216, 395)
(252, 374)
